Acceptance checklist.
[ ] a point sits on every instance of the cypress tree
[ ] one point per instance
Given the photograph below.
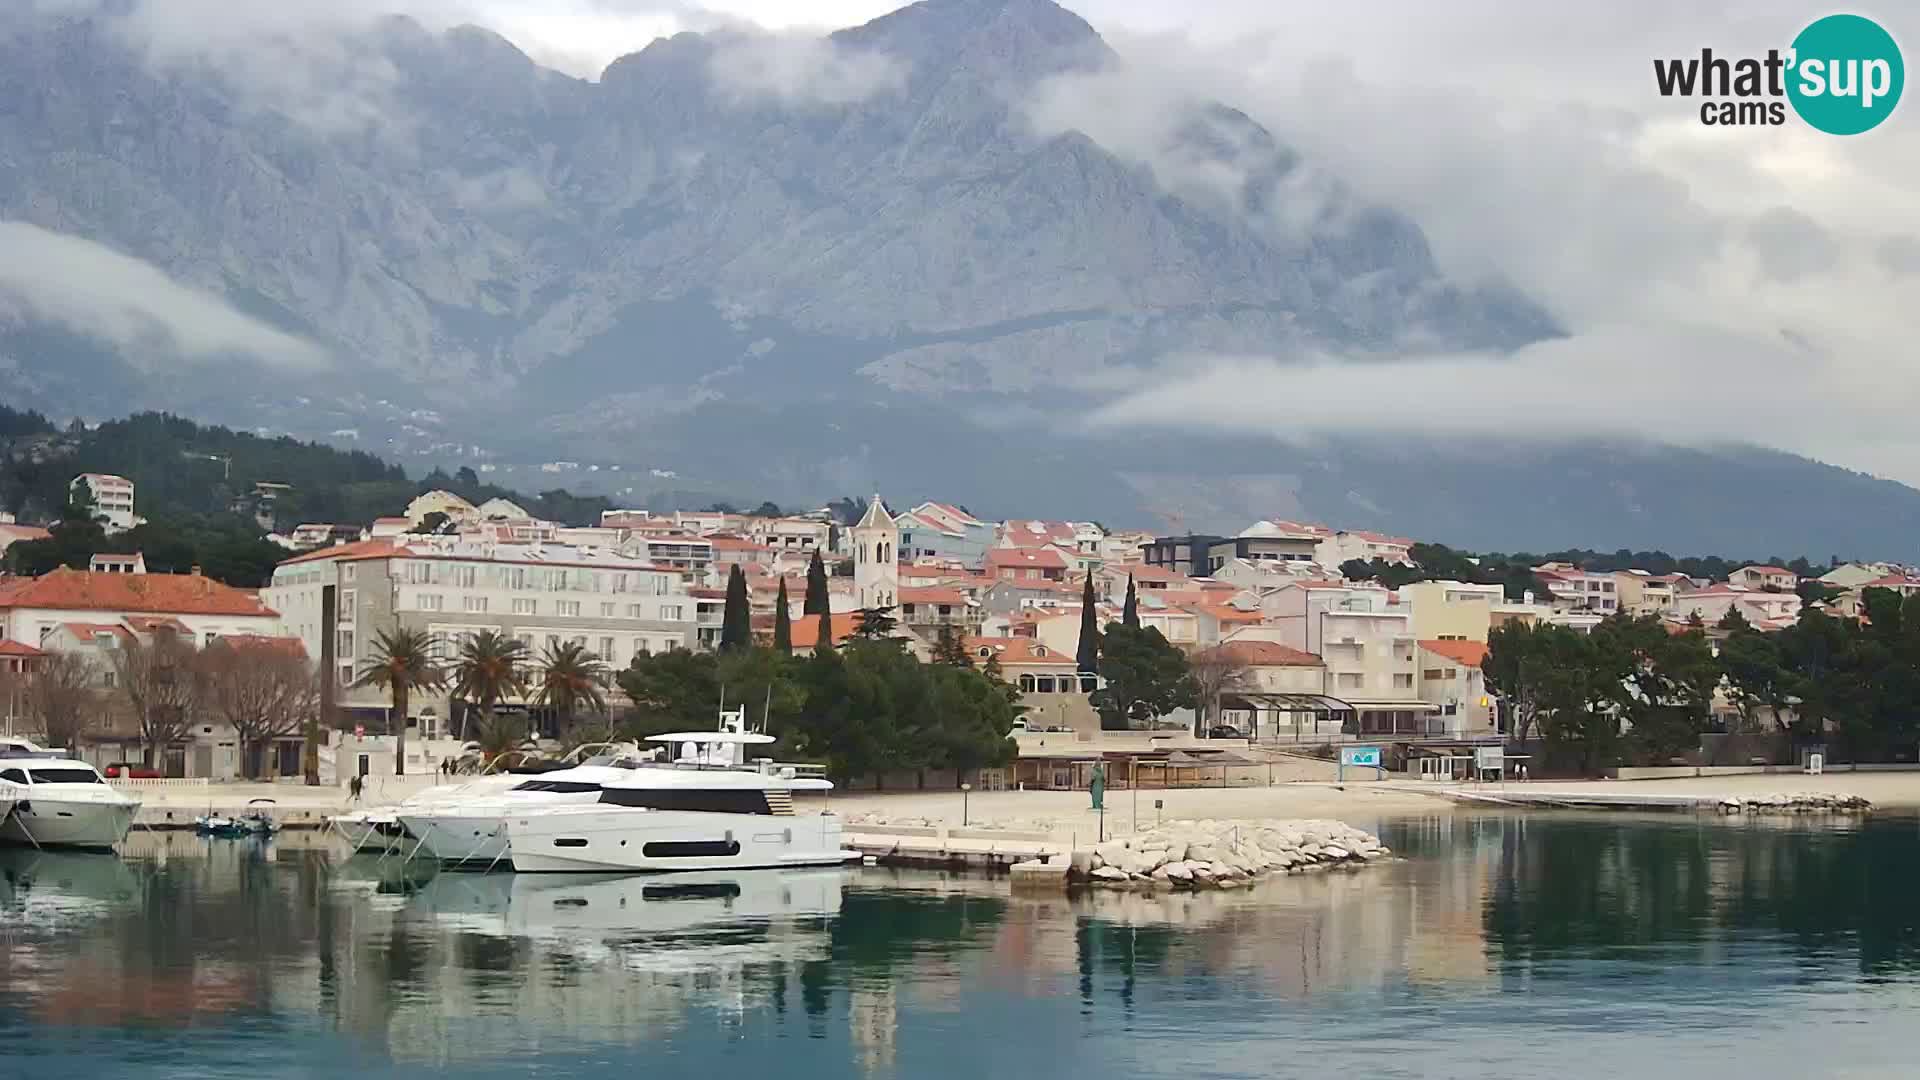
(1130, 615)
(782, 623)
(817, 600)
(1088, 654)
(736, 622)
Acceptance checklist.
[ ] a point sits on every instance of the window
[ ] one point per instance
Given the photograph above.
(659, 586)
(633, 611)
(346, 674)
(65, 776)
(1044, 684)
(476, 603)
(606, 649)
(343, 643)
(606, 611)
(109, 679)
(465, 576)
(347, 571)
(1352, 680)
(516, 577)
(556, 581)
(670, 612)
(1026, 684)
(18, 776)
(568, 607)
(1432, 674)
(553, 641)
(1403, 681)
(619, 583)
(432, 601)
(347, 598)
(525, 606)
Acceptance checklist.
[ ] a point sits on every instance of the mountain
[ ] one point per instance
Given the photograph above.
(777, 267)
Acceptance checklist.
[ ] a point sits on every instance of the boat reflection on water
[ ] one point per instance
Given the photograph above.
(644, 918)
(39, 887)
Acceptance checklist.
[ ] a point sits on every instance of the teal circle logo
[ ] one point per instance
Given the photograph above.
(1846, 74)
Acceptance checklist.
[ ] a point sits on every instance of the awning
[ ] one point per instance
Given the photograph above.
(1393, 706)
(1220, 757)
(1290, 702)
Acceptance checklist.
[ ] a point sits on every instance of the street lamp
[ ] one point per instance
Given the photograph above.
(965, 789)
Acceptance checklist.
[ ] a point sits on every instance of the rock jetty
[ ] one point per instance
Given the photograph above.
(1799, 802)
(1223, 854)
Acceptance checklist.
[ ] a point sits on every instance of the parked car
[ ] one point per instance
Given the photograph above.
(1225, 731)
(131, 771)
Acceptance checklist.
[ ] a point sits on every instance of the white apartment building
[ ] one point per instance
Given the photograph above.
(451, 588)
(112, 499)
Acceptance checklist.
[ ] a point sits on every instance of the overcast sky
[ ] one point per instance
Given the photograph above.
(1756, 284)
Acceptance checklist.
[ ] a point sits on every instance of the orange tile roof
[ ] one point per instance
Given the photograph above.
(1019, 650)
(806, 628)
(9, 647)
(1469, 653)
(1269, 654)
(1226, 613)
(359, 549)
(166, 594)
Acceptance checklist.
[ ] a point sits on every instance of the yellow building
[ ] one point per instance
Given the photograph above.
(1451, 610)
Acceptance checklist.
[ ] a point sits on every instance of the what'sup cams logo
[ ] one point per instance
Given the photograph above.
(1842, 75)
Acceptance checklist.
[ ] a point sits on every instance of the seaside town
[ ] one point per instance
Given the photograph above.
(1163, 660)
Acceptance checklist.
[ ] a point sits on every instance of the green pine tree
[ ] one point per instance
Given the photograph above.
(1088, 655)
(1130, 614)
(782, 623)
(736, 623)
(818, 602)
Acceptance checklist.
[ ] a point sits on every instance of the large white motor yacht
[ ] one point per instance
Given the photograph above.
(62, 802)
(707, 812)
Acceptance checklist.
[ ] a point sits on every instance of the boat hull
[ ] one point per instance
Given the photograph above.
(468, 837)
(48, 820)
(628, 840)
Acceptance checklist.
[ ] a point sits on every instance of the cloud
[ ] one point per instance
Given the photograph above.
(100, 293)
(801, 70)
(502, 190)
(1717, 284)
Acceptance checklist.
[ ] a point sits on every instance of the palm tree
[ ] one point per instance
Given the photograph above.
(487, 671)
(402, 663)
(567, 677)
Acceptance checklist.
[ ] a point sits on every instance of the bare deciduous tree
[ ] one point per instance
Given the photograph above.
(159, 680)
(1216, 671)
(263, 689)
(59, 696)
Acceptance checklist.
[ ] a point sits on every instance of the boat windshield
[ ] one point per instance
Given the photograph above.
(65, 776)
(566, 786)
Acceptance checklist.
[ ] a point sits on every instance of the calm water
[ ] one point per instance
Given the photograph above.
(1536, 946)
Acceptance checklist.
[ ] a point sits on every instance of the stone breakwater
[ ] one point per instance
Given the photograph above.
(1223, 854)
(1799, 802)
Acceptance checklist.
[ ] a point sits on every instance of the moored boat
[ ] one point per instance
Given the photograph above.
(62, 802)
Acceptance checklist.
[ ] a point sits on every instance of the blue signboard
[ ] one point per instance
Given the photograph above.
(1366, 756)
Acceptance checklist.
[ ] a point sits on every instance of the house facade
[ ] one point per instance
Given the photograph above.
(112, 499)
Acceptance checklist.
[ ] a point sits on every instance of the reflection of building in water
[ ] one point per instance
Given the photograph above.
(873, 1019)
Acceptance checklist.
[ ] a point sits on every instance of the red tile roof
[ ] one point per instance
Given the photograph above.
(9, 647)
(1269, 654)
(292, 646)
(1226, 613)
(929, 595)
(1469, 653)
(166, 594)
(1045, 558)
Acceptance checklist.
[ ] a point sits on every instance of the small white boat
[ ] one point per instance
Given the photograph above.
(257, 820)
(63, 802)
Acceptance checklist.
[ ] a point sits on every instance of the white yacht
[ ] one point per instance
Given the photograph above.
(468, 829)
(62, 802)
(705, 812)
